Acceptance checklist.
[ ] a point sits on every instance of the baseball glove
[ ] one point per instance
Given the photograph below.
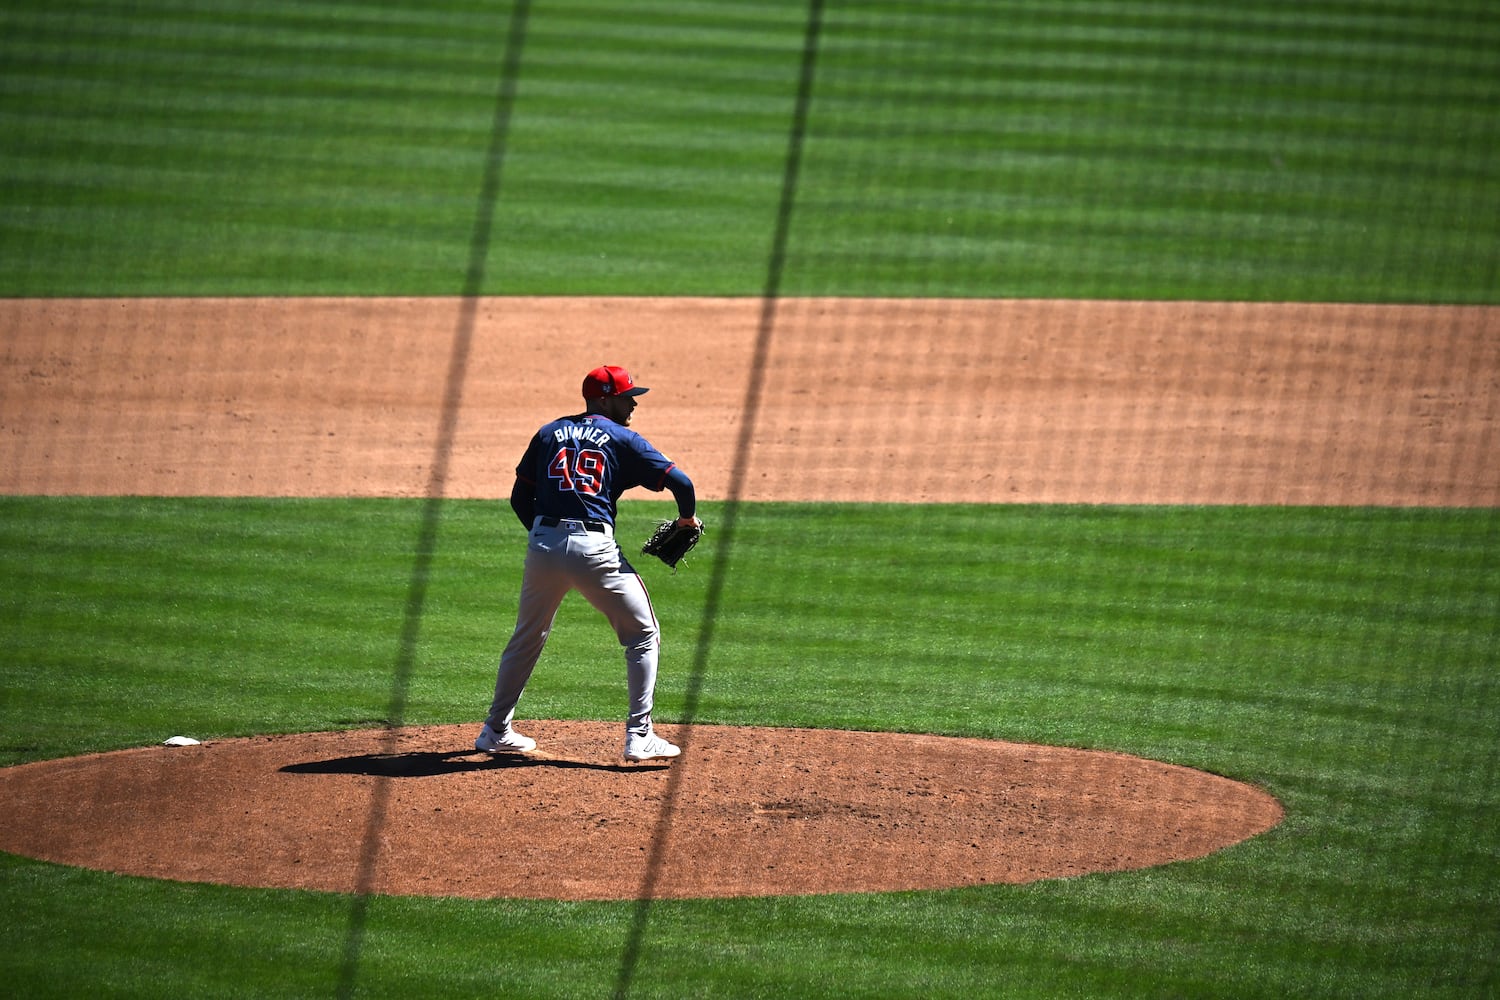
(672, 540)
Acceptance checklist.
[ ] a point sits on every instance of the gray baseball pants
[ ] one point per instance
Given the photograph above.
(570, 557)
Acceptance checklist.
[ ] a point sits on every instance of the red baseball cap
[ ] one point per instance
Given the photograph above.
(610, 380)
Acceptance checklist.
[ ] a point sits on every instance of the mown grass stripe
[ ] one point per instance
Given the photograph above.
(1341, 658)
(1335, 152)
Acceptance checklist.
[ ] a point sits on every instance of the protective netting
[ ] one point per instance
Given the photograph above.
(1112, 375)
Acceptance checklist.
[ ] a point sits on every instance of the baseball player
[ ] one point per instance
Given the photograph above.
(566, 488)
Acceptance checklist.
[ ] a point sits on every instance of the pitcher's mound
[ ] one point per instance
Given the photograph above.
(744, 811)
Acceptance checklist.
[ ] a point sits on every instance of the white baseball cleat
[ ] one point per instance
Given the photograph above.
(508, 741)
(648, 747)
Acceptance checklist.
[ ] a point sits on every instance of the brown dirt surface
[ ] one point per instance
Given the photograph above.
(1079, 402)
(1070, 402)
(745, 811)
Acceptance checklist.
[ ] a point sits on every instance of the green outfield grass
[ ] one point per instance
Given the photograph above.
(1263, 150)
(1342, 659)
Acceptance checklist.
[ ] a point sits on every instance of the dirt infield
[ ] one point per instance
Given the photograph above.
(756, 811)
(1074, 401)
(1081, 402)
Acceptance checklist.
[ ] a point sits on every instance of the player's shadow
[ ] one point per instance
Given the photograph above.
(429, 764)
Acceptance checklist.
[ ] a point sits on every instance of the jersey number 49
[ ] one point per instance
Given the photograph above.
(579, 471)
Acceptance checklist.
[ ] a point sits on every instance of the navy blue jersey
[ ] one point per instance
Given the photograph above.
(578, 466)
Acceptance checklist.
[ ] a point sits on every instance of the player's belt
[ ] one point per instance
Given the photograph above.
(552, 522)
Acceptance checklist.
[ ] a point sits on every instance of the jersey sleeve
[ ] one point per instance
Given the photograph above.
(649, 466)
(526, 468)
(682, 491)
